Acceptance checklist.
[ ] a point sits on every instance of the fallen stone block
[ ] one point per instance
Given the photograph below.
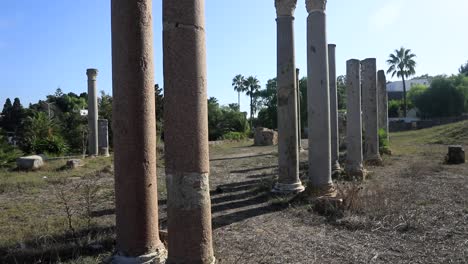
(456, 155)
(33, 162)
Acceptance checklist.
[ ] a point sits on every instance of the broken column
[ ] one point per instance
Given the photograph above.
(288, 154)
(134, 127)
(369, 112)
(186, 133)
(353, 168)
(92, 113)
(335, 137)
(318, 98)
(103, 125)
(383, 101)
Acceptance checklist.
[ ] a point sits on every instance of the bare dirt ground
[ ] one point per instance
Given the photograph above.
(412, 210)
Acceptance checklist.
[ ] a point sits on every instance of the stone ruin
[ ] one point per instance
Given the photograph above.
(265, 137)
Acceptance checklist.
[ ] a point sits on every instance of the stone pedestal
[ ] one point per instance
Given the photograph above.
(383, 101)
(103, 125)
(318, 98)
(354, 158)
(335, 137)
(288, 155)
(186, 133)
(134, 127)
(456, 155)
(369, 111)
(92, 113)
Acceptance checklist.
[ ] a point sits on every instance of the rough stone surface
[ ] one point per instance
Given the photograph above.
(265, 137)
(369, 112)
(74, 163)
(92, 112)
(456, 155)
(318, 98)
(354, 156)
(33, 162)
(134, 128)
(383, 101)
(288, 152)
(186, 132)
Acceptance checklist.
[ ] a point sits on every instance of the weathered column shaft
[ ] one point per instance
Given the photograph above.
(369, 111)
(335, 137)
(299, 127)
(354, 158)
(383, 101)
(103, 130)
(92, 112)
(288, 155)
(318, 99)
(186, 132)
(134, 126)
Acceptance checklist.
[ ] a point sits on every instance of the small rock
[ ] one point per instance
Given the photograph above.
(456, 155)
(33, 162)
(74, 163)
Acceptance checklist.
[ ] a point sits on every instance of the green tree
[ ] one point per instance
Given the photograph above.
(464, 69)
(441, 99)
(224, 119)
(238, 82)
(268, 115)
(416, 91)
(402, 65)
(252, 85)
(12, 115)
(341, 91)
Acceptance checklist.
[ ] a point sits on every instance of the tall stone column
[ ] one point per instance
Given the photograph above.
(134, 126)
(383, 101)
(318, 98)
(186, 132)
(335, 137)
(92, 112)
(288, 154)
(354, 168)
(103, 137)
(299, 127)
(369, 111)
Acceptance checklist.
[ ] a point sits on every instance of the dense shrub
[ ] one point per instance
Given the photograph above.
(384, 147)
(51, 145)
(234, 136)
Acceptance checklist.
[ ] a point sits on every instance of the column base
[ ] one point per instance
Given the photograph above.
(356, 174)
(281, 188)
(374, 161)
(325, 191)
(158, 257)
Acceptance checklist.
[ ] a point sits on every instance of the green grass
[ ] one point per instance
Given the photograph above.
(423, 140)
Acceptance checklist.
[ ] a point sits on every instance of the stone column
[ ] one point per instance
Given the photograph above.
(369, 111)
(103, 125)
(288, 154)
(92, 113)
(134, 127)
(383, 101)
(318, 98)
(299, 127)
(353, 168)
(335, 137)
(186, 132)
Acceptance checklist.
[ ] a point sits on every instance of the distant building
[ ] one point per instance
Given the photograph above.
(395, 89)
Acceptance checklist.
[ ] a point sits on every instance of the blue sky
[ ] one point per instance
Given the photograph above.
(50, 44)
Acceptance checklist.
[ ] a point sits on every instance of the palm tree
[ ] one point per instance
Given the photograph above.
(238, 82)
(252, 85)
(402, 64)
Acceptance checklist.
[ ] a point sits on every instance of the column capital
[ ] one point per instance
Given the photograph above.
(316, 5)
(285, 7)
(92, 73)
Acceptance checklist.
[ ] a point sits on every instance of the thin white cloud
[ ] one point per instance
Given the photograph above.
(386, 15)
